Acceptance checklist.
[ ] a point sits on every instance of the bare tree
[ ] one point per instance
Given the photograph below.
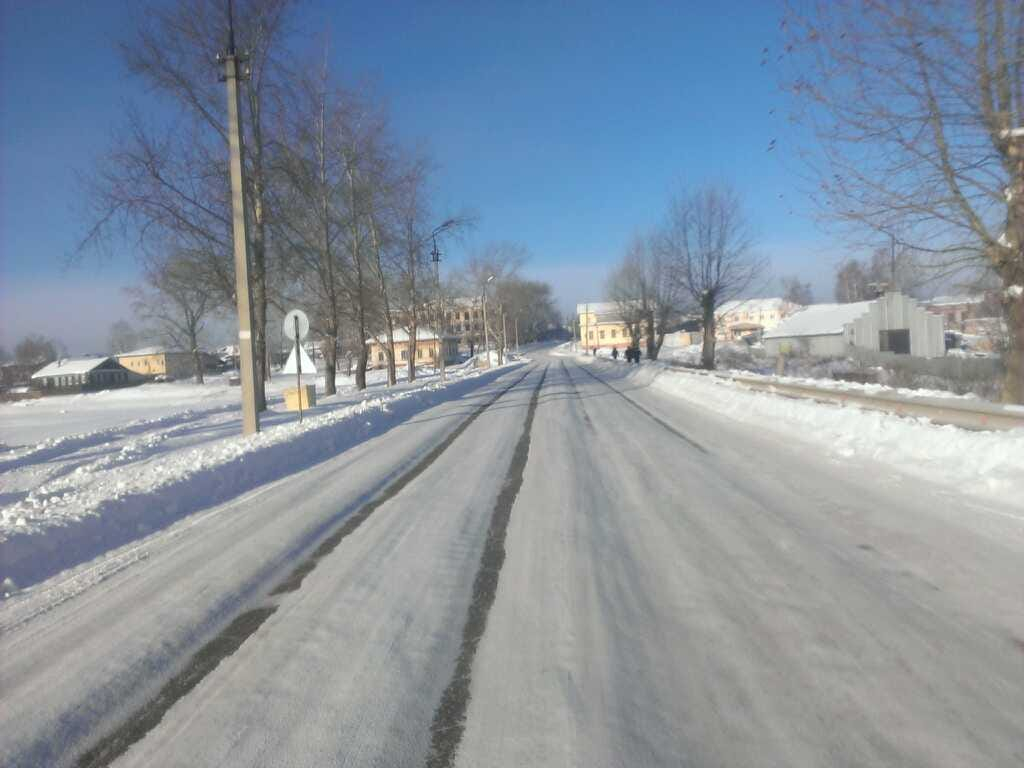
(123, 337)
(36, 349)
(709, 244)
(176, 303)
(175, 185)
(645, 291)
(918, 109)
(851, 282)
(500, 261)
(311, 216)
(797, 291)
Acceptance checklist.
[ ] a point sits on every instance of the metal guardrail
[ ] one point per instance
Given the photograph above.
(940, 410)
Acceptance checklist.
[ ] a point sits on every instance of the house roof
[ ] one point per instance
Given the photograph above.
(939, 301)
(70, 366)
(401, 335)
(774, 304)
(151, 351)
(597, 307)
(819, 320)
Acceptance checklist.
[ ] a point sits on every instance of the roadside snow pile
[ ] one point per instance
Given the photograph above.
(985, 463)
(854, 386)
(113, 492)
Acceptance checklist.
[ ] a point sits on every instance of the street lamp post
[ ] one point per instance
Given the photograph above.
(240, 232)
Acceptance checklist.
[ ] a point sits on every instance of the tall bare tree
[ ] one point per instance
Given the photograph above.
(708, 241)
(485, 270)
(851, 282)
(797, 291)
(646, 292)
(311, 217)
(122, 337)
(175, 183)
(918, 108)
(176, 303)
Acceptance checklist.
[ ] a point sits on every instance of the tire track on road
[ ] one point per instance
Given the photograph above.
(682, 436)
(450, 716)
(231, 638)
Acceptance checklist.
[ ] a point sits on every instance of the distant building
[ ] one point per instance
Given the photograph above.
(83, 374)
(603, 327)
(893, 323)
(158, 361)
(427, 347)
(743, 317)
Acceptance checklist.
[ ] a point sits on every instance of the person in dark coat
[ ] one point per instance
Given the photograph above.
(615, 353)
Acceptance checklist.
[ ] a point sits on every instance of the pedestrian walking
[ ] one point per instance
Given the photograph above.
(615, 353)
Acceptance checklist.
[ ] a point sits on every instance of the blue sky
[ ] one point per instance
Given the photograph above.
(565, 126)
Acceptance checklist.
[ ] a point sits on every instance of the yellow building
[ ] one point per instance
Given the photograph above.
(602, 326)
(427, 346)
(157, 361)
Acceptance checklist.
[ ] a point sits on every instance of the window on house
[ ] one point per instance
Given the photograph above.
(615, 333)
(590, 334)
(380, 356)
(405, 354)
(602, 334)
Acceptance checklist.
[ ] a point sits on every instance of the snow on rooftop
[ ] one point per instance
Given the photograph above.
(939, 301)
(819, 320)
(69, 366)
(773, 304)
(597, 306)
(400, 335)
(150, 351)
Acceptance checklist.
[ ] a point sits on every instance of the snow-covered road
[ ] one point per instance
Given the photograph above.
(558, 566)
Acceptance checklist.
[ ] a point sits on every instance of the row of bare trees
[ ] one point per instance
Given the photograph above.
(699, 258)
(340, 216)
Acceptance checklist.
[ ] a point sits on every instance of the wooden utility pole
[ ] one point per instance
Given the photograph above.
(240, 231)
(436, 255)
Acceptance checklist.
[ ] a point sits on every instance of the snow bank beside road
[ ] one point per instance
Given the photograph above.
(94, 505)
(989, 464)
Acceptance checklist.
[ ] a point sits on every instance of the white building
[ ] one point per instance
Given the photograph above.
(741, 317)
(893, 323)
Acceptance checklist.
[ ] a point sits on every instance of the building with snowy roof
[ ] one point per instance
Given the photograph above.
(427, 346)
(743, 317)
(893, 323)
(602, 326)
(83, 374)
(158, 361)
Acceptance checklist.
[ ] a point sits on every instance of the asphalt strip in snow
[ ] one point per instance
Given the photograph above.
(650, 415)
(231, 638)
(450, 715)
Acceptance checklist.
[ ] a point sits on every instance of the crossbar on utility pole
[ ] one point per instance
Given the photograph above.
(240, 232)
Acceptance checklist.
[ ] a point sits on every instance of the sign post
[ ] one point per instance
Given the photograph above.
(296, 326)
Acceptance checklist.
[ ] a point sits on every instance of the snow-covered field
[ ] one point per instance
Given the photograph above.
(92, 472)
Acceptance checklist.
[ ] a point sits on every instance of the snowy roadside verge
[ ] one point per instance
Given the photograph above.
(105, 505)
(985, 464)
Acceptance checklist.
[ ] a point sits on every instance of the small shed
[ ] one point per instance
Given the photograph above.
(83, 374)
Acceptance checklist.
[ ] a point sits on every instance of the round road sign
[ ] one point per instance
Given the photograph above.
(289, 324)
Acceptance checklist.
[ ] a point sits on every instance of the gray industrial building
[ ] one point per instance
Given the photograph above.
(892, 323)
